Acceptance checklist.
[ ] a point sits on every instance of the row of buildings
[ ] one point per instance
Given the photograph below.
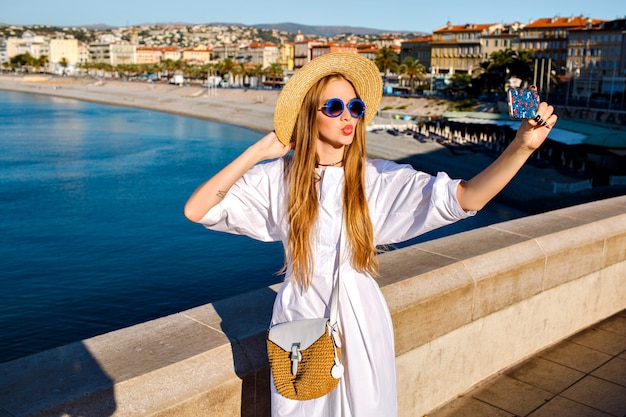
(572, 43)
(575, 46)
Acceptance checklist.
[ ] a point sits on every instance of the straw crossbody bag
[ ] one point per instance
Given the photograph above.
(305, 355)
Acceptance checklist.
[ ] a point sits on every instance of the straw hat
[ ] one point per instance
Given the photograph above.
(360, 71)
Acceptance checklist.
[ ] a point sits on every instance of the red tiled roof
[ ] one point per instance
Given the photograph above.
(464, 28)
(562, 22)
(421, 39)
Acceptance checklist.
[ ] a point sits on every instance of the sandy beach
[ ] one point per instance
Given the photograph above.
(531, 190)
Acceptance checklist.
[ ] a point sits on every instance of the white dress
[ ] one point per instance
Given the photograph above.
(403, 203)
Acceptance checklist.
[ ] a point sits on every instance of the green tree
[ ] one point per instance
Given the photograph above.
(387, 61)
(275, 70)
(502, 66)
(414, 70)
(22, 62)
(256, 72)
(64, 64)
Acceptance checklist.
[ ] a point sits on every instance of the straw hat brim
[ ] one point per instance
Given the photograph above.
(360, 71)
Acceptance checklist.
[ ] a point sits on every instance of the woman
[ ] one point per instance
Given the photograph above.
(304, 198)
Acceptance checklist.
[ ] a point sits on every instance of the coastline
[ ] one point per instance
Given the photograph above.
(531, 190)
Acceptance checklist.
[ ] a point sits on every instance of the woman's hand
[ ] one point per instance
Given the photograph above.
(269, 147)
(215, 189)
(533, 132)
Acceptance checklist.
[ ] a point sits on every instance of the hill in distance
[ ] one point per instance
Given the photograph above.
(290, 27)
(323, 30)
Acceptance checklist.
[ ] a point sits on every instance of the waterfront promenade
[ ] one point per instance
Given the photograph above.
(582, 376)
(531, 188)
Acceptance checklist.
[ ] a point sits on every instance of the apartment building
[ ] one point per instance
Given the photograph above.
(501, 39)
(324, 48)
(418, 49)
(226, 51)
(200, 54)
(458, 48)
(123, 54)
(596, 59)
(599, 49)
(64, 55)
(100, 53)
(367, 50)
(172, 53)
(303, 50)
(287, 53)
(148, 55)
(261, 53)
(28, 43)
(547, 38)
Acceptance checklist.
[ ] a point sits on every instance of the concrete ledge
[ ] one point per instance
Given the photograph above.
(464, 308)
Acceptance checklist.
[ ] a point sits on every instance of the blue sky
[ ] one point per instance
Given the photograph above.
(401, 15)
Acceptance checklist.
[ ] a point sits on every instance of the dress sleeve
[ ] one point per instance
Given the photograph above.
(253, 205)
(405, 203)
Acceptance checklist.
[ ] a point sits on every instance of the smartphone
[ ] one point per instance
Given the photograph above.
(523, 103)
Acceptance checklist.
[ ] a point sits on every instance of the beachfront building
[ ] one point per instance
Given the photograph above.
(226, 50)
(200, 54)
(323, 48)
(28, 43)
(100, 53)
(3, 51)
(261, 53)
(148, 55)
(172, 53)
(286, 53)
(418, 49)
(547, 40)
(64, 56)
(367, 50)
(596, 60)
(501, 39)
(458, 48)
(123, 54)
(303, 49)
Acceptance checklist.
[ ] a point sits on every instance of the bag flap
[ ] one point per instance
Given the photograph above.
(305, 332)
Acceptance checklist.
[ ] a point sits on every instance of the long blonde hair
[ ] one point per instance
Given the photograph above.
(303, 201)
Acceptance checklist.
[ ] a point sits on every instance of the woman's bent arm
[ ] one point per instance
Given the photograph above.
(477, 192)
(214, 190)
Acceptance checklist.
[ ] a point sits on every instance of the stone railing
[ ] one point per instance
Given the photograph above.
(464, 307)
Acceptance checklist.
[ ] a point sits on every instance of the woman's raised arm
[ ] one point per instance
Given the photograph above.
(477, 192)
(209, 194)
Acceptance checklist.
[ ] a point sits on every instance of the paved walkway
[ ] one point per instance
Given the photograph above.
(583, 376)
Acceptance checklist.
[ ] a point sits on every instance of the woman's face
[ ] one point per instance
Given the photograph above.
(336, 132)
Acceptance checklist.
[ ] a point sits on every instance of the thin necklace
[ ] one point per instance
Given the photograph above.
(329, 165)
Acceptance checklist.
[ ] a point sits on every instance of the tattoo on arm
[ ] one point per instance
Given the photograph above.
(221, 194)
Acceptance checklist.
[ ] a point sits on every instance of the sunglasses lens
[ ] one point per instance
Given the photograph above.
(334, 107)
(356, 107)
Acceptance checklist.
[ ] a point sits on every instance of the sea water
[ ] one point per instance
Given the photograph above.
(92, 232)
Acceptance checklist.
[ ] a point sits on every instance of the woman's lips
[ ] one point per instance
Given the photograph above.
(347, 130)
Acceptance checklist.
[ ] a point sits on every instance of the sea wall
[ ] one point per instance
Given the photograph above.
(464, 307)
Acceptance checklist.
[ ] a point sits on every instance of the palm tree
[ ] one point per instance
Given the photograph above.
(414, 70)
(275, 70)
(502, 65)
(239, 72)
(42, 61)
(64, 64)
(256, 72)
(227, 68)
(387, 61)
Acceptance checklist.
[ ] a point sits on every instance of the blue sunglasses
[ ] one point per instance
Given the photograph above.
(334, 107)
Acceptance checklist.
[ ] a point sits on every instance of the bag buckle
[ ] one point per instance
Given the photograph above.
(295, 357)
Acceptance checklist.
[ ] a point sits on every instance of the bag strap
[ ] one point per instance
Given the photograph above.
(334, 301)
